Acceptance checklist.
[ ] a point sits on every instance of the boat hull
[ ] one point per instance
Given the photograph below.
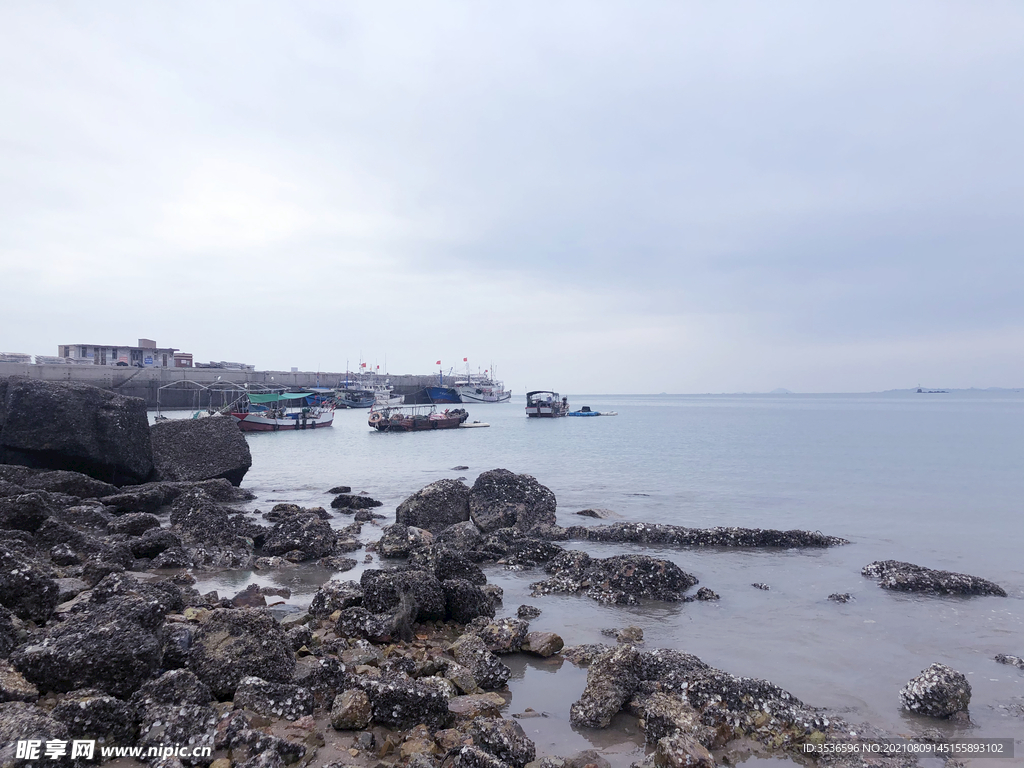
(261, 422)
(442, 395)
(545, 412)
(484, 395)
(405, 422)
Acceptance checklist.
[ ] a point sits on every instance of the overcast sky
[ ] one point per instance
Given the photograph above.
(597, 197)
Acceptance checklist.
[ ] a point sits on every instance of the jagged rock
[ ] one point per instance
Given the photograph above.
(163, 724)
(465, 601)
(165, 595)
(252, 747)
(133, 524)
(113, 646)
(528, 612)
(504, 635)
(399, 540)
(357, 622)
(178, 638)
(618, 579)
(24, 512)
(399, 702)
(837, 597)
(676, 535)
(543, 643)
(335, 596)
(436, 506)
(273, 699)
(27, 591)
(907, 577)
(20, 721)
(470, 756)
(75, 427)
(154, 542)
(761, 585)
(583, 655)
(462, 537)
(680, 750)
(351, 711)
(340, 489)
(352, 502)
(71, 483)
(210, 531)
(92, 714)
(503, 499)
(1015, 661)
(9, 631)
(529, 552)
(473, 706)
(282, 512)
(611, 682)
(200, 449)
(323, 677)
(505, 739)
(597, 514)
(938, 692)
(383, 591)
(662, 715)
(706, 594)
(446, 563)
(13, 685)
(488, 671)
(580, 760)
(308, 534)
(250, 597)
(54, 532)
(235, 643)
(145, 498)
(494, 593)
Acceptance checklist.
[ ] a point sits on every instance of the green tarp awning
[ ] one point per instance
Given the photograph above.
(273, 398)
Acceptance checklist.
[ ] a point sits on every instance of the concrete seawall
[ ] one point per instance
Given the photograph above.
(151, 384)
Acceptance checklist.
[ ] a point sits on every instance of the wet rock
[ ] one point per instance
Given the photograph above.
(676, 535)
(505, 739)
(399, 702)
(470, 756)
(937, 692)
(23, 722)
(113, 646)
(92, 714)
(200, 449)
(611, 682)
(164, 724)
(584, 655)
(840, 597)
(581, 760)
(682, 750)
(70, 483)
(706, 594)
(335, 596)
(154, 542)
(907, 577)
(351, 502)
(619, 579)
(504, 635)
(488, 671)
(282, 512)
(340, 489)
(250, 597)
(144, 499)
(472, 706)
(436, 506)
(503, 499)
(351, 711)
(75, 427)
(252, 747)
(628, 635)
(399, 540)
(209, 531)
(178, 686)
(383, 591)
(597, 514)
(307, 534)
(528, 612)
(273, 699)
(462, 537)
(760, 585)
(324, 678)
(543, 643)
(177, 640)
(233, 644)
(133, 524)
(27, 591)
(357, 622)
(164, 595)
(446, 563)
(24, 512)
(9, 631)
(527, 552)
(1015, 661)
(465, 601)
(13, 685)
(662, 715)
(494, 593)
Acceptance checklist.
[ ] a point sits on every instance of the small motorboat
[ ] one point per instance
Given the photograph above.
(585, 411)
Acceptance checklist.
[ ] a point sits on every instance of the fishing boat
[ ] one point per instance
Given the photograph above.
(354, 397)
(279, 411)
(482, 390)
(414, 418)
(546, 404)
(585, 411)
(441, 393)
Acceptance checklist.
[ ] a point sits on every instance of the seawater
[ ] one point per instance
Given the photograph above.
(933, 479)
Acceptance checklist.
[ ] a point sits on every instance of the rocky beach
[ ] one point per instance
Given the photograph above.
(108, 524)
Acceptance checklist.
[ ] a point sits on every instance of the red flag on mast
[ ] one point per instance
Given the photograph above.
(438, 362)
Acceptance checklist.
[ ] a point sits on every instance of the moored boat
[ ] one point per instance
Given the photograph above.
(414, 418)
(281, 411)
(546, 404)
(482, 390)
(585, 411)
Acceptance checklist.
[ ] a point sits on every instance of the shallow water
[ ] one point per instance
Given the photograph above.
(931, 479)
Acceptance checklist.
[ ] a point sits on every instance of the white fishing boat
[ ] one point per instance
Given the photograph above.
(281, 411)
(482, 388)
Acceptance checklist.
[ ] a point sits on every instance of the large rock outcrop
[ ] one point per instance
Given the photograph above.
(200, 449)
(51, 425)
(436, 506)
(503, 499)
(907, 577)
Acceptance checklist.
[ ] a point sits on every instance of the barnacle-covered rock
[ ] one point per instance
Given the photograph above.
(938, 692)
(907, 577)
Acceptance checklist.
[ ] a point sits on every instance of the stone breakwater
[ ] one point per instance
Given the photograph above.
(103, 634)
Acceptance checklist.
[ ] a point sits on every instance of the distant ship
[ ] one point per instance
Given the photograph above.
(482, 389)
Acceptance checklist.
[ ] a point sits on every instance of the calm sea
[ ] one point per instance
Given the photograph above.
(934, 479)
